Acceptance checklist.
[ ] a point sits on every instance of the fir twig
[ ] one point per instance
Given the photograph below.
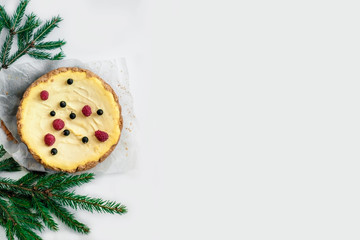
(28, 42)
(9, 165)
(35, 198)
(2, 151)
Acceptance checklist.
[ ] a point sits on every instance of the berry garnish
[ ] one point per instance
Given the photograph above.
(62, 104)
(86, 110)
(44, 95)
(66, 132)
(101, 136)
(58, 124)
(53, 151)
(69, 81)
(52, 113)
(72, 115)
(84, 139)
(49, 139)
(100, 112)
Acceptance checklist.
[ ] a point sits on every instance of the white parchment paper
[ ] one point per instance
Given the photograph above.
(15, 80)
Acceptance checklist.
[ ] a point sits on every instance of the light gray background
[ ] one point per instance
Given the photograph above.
(248, 113)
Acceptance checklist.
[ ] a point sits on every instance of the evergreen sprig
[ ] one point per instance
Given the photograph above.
(31, 203)
(30, 36)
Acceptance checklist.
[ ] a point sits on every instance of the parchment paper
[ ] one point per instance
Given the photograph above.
(15, 80)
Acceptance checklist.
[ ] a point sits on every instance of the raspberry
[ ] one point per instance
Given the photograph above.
(86, 110)
(101, 136)
(58, 124)
(44, 95)
(49, 139)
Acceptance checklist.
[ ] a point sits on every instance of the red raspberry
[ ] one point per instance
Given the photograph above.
(101, 136)
(86, 110)
(44, 95)
(58, 124)
(49, 139)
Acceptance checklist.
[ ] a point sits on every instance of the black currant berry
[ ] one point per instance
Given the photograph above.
(100, 112)
(62, 104)
(54, 151)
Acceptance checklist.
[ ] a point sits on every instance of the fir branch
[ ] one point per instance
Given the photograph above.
(50, 45)
(4, 17)
(24, 233)
(66, 217)
(46, 28)
(25, 32)
(72, 181)
(9, 165)
(39, 55)
(50, 179)
(1, 26)
(28, 42)
(18, 15)
(30, 178)
(10, 232)
(89, 204)
(58, 56)
(5, 50)
(2, 151)
(44, 214)
(17, 55)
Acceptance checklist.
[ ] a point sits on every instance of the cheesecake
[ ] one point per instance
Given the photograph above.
(69, 119)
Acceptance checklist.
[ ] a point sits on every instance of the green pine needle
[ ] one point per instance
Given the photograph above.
(30, 178)
(89, 204)
(66, 217)
(4, 17)
(2, 151)
(9, 165)
(45, 214)
(50, 45)
(5, 50)
(30, 36)
(41, 196)
(39, 55)
(44, 30)
(19, 13)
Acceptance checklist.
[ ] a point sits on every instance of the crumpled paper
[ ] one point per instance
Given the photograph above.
(15, 80)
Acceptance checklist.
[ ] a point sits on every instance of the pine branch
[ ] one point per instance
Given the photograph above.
(2, 151)
(89, 204)
(4, 17)
(28, 42)
(5, 50)
(50, 45)
(72, 181)
(49, 179)
(18, 15)
(31, 23)
(45, 215)
(38, 195)
(66, 217)
(9, 165)
(46, 28)
(30, 178)
(25, 32)
(39, 55)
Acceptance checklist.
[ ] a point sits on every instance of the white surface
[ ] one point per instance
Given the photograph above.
(248, 112)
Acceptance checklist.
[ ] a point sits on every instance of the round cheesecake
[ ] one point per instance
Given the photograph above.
(69, 119)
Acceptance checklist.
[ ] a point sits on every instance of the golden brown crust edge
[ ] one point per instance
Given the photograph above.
(45, 78)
